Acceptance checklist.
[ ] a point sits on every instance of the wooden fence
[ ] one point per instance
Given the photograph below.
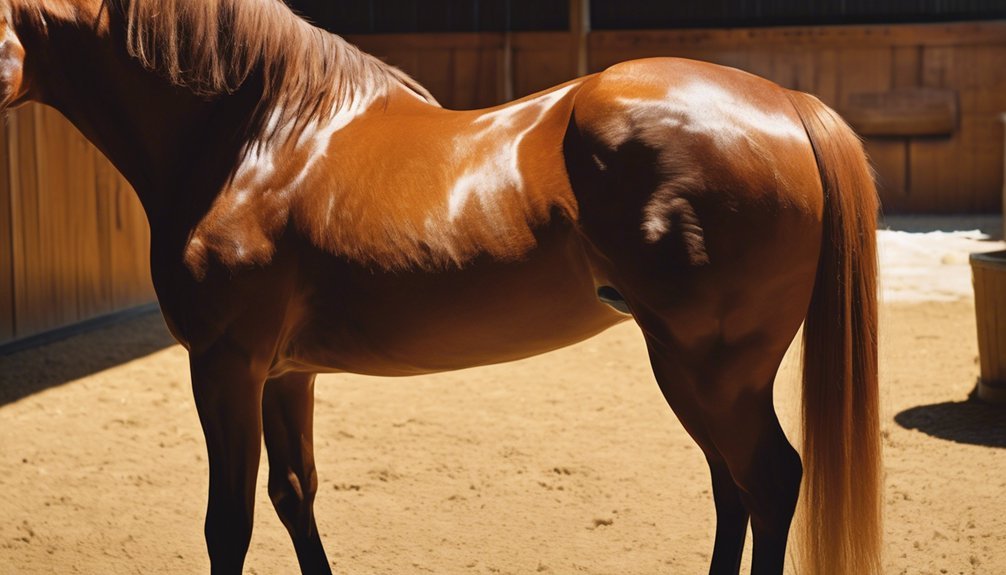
(75, 239)
(960, 172)
(469, 70)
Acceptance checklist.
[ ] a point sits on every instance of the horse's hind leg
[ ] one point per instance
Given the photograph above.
(724, 398)
(288, 414)
(731, 514)
(731, 519)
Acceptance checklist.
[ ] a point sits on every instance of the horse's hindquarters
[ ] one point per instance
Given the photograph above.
(700, 196)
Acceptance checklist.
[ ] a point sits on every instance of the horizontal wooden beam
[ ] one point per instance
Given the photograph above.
(903, 112)
(461, 40)
(864, 36)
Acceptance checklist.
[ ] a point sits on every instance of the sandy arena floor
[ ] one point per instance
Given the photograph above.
(565, 463)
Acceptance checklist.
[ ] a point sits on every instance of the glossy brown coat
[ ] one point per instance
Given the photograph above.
(313, 210)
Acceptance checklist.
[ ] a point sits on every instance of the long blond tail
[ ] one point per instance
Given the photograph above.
(843, 484)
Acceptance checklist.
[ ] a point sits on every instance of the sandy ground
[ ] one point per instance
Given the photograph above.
(565, 463)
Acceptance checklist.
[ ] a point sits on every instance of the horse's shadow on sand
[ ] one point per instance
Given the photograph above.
(54, 359)
(971, 421)
(28, 371)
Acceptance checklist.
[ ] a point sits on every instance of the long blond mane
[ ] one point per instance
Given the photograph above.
(213, 46)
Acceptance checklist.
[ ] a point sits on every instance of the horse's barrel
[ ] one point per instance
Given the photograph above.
(989, 275)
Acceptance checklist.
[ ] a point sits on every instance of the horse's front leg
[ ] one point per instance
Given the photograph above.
(288, 412)
(227, 382)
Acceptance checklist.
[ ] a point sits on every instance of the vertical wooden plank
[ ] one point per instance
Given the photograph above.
(579, 28)
(462, 70)
(63, 269)
(714, 56)
(92, 299)
(104, 184)
(980, 78)
(760, 62)
(937, 65)
(407, 60)
(16, 219)
(733, 58)
(988, 80)
(6, 242)
(603, 57)
(123, 242)
(785, 68)
(864, 70)
(505, 92)
(995, 318)
(988, 313)
(29, 298)
(906, 66)
(889, 158)
(474, 78)
(977, 154)
(826, 72)
(1002, 119)
(982, 303)
(131, 248)
(794, 69)
(65, 223)
(541, 60)
(436, 73)
(465, 82)
(58, 223)
(927, 167)
(489, 75)
(934, 162)
(998, 324)
(964, 76)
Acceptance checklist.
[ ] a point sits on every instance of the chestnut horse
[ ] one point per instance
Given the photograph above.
(314, 210)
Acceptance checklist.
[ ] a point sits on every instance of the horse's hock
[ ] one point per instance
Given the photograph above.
(989, 275)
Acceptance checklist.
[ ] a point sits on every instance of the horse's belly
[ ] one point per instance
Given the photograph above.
(386, 323)
(443, 338)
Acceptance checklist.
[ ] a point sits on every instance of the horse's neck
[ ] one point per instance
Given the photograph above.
(169, 143)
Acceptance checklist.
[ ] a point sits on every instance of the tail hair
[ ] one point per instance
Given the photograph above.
(843, 484)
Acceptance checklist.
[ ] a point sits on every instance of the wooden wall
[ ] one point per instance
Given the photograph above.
(469, 70)
(959, 173)
(75, 241)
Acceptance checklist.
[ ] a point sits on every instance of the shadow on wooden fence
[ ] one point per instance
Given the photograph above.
(40, 367)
